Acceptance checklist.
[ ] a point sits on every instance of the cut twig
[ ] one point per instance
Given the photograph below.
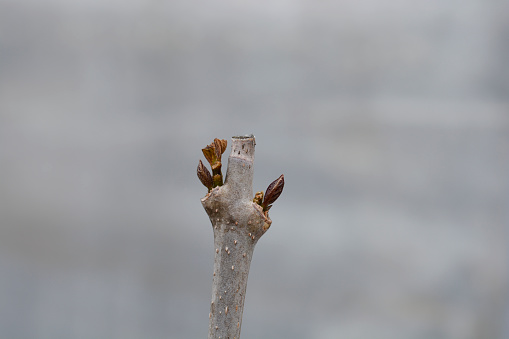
(238, 222)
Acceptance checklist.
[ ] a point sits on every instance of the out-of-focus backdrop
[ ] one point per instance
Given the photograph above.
(389, 119)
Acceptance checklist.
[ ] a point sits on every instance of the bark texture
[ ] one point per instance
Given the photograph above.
(237, 223)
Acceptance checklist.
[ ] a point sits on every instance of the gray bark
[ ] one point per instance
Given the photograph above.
(237, 223)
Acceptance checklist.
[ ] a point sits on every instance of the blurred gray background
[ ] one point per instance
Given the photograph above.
(389, 119)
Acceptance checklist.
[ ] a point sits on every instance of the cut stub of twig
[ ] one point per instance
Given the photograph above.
(273, 192)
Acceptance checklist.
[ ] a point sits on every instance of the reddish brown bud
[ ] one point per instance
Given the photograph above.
(204, 175)
(273, 192)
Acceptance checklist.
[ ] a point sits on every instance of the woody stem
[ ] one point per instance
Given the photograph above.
(237, 223)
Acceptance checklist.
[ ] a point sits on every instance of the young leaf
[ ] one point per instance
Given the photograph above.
(217, 149)
(223, 145)
(220, 147)
(210, 153)
(258, 198)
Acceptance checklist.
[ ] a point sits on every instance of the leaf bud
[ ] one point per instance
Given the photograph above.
(273, 192)
(204, 175)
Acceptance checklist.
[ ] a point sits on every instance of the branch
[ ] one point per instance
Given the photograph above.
(238, 223)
